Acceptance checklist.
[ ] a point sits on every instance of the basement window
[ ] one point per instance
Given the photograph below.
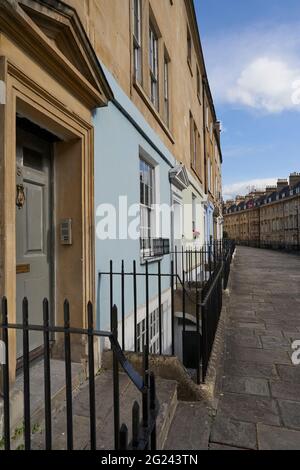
(153, 330)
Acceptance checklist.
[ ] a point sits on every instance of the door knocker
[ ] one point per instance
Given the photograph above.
(20, 200)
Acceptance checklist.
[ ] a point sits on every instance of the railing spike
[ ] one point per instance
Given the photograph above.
(123, 438)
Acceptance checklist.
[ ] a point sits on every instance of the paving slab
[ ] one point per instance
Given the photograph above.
(249, 408)
(289, 373)
(234, 433)
(260, 356)
(249, 369)
(247, 385)
(277, 438)
(274, 342)
(285, 390)
(190, 428)
(243, 341)
(290, 412)
(217, 447)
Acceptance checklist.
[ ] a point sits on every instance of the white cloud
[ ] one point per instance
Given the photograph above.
(265, 84)
(241, 188)
(241, 151)
(257, 68)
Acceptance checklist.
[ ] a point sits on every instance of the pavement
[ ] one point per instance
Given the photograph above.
(258, 401)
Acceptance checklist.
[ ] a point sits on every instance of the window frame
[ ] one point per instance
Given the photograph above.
(147, 211)
(199, 84)
(209, 168)
(194, 212)
(189, 48)
(154, 65)
(137, 41)
(166, 88)
(193, 142)
(153, 329)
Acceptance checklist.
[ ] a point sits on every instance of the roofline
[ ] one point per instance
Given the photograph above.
(190, 6)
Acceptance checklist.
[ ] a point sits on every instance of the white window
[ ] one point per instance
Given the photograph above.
(153, 331)
(146, 204)
(153, 62)
(141, 335)
(137, 40)
(209, 168)
(194, 212)
(193, 138)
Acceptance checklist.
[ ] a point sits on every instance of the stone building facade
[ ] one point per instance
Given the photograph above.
(99, 99)
(271, 218)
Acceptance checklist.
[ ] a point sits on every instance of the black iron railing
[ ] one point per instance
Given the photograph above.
(190, 293)
(144, 431)
(197, 264)
(154, 247)
(228, 253)
(211, 308)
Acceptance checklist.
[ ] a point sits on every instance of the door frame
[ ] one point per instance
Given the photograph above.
(37, 105)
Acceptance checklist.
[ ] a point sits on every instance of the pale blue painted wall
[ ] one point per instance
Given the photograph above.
(117, 144)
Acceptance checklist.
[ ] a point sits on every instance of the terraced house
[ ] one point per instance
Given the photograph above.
(106, 116)
(268, 218)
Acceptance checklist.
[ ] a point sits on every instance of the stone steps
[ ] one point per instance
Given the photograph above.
(167, 396)
(190, 428)
(180, 425)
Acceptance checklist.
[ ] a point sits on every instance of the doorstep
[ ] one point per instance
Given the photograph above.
(37, 401)
(166, 394)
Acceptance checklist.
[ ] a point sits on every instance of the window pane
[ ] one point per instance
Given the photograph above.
(142, 193)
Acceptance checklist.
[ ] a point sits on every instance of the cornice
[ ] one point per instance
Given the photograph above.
(19, 27)
(198, 46)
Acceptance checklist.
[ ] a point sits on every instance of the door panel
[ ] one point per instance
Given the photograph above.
(33, 231)
(34, 219)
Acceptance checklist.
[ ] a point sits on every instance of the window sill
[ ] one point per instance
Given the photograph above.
(153, 110)
(154, 259)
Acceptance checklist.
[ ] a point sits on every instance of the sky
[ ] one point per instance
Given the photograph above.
(252, 55)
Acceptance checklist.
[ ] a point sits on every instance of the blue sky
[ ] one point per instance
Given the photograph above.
(252, 52)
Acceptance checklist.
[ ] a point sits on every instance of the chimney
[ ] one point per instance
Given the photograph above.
(218, 127)
(294, 179)
(270, 190)
(239, 199)
(282, 183)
